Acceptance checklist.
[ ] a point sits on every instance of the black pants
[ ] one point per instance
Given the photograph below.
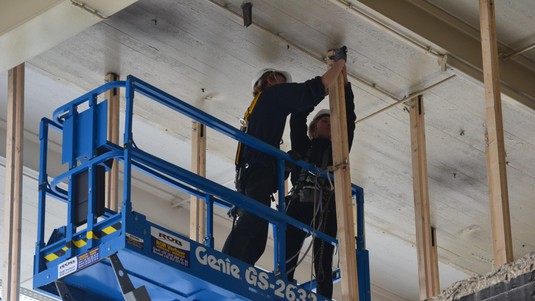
(325, 221)
(247, 240)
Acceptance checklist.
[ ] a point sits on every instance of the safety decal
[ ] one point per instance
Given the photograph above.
(67, 267)
(88, 258)
(170, 247)
(134, 240)
(78, 263)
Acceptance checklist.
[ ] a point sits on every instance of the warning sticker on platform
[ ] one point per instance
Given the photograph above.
(134, 241)
(88, 258)
(67, 267)
(170, 247)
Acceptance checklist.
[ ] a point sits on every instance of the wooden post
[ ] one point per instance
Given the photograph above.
(496, 169)
(342, 188)
(426, 246)
(13, 193)
(112, 177)
(197, 215)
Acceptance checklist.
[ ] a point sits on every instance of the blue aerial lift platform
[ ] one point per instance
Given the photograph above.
(100, 254)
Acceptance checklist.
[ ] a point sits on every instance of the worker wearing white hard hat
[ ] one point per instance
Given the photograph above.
(323, 129)
(275, 97)
(262, 76)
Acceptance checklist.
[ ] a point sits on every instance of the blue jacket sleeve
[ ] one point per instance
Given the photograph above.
(296, 97)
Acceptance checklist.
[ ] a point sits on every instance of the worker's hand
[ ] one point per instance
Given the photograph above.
(340, 54)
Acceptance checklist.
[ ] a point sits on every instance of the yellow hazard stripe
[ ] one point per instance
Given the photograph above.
(79, 243)
(51, 257)
(109, 230)
(82, 242)
(55, 255)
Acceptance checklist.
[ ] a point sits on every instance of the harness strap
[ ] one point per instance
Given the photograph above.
(244, 127)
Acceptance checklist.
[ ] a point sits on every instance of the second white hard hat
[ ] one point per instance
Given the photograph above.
(258, 77)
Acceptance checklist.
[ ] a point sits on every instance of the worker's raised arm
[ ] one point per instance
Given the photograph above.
(331, 75)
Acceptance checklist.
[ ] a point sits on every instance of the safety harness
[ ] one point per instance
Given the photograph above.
(244, 127)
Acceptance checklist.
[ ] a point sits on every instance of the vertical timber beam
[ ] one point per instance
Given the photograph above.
(342, 187)
(426, 247)
(197, 217)
(112, 177)
(496, 169)
(13, 193)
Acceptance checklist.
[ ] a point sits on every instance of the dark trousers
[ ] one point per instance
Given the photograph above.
(247, 240)
(325, 221)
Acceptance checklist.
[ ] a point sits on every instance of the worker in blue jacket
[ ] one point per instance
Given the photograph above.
(275, 97)
(312, 200)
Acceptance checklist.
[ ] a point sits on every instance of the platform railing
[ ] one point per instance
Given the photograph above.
(178, 177)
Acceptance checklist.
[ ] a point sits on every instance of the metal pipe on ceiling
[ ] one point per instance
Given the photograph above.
(89, 9)
(525, 49)
(406, 98)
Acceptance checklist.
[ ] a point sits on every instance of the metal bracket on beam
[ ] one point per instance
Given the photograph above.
(443, 63)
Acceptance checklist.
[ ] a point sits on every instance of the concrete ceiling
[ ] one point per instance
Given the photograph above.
(200, 52)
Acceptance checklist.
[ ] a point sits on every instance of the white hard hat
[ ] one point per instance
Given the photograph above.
(321, 113)
(312, 125)
(256, 81)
